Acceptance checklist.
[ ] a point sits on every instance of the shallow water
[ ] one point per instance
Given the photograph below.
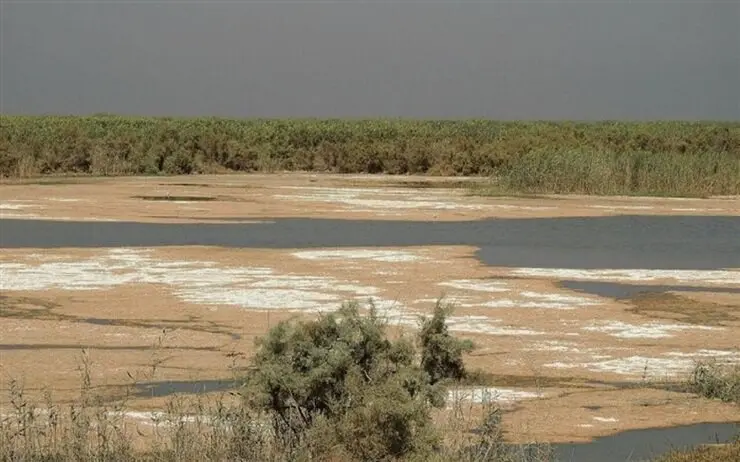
(625, 242)
(621, 291)
(171, 387)
(639, 445)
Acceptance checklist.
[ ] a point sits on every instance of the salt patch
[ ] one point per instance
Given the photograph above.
(542, 300)
(484, 325)
(632, 366)
(13, 210)
(639, 275)
(409, 199)
(63, 199)
(622, 207)
(554, 346)
(15, 206)
(476, 285)
(649, 330)
(391, 256)
(732, 356)
(448, 299)
(520, 207)
(466, 324)
(489, 395)
(258, 299)
(649, 367)
(17, 215)
(571, 349)
(605, 419)
(192, 281)
(352, 197)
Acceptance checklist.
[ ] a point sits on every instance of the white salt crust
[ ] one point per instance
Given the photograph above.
(669, 365)
(391, 256)
(527, 298)
(206, 283)
(648, 330)
(476, 285)
(400, 199)
(724, 277)
(201, 282)
(489, 395)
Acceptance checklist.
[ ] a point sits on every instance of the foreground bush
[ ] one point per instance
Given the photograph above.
(339, 382)
(684, 158)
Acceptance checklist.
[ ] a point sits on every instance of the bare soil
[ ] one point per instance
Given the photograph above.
(255, 197)
(598, 365)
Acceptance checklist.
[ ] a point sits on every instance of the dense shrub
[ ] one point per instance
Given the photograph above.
(598, 157)
(343, 375)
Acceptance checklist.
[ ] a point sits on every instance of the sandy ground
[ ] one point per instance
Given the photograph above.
(200, 305)
(258, 197)
(568, 365)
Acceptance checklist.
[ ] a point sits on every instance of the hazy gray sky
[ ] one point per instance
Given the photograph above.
(526, 59)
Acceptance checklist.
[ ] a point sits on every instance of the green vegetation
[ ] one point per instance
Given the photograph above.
(667, 158)
(335, 388)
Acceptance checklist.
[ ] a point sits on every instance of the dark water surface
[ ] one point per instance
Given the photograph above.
(645, 444)
(171, 387)
(629, 242)
(620, 290)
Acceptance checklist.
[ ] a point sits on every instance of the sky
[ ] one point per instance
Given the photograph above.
(510, 59)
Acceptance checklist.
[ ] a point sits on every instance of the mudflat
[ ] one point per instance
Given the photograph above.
(255, 197)
(594, 363)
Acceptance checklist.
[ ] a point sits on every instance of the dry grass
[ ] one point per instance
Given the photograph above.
(716, 381)
(714, 453)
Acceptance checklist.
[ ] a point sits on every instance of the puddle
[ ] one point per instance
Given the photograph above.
(638, 445)
(171, 387)
(623, 291)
